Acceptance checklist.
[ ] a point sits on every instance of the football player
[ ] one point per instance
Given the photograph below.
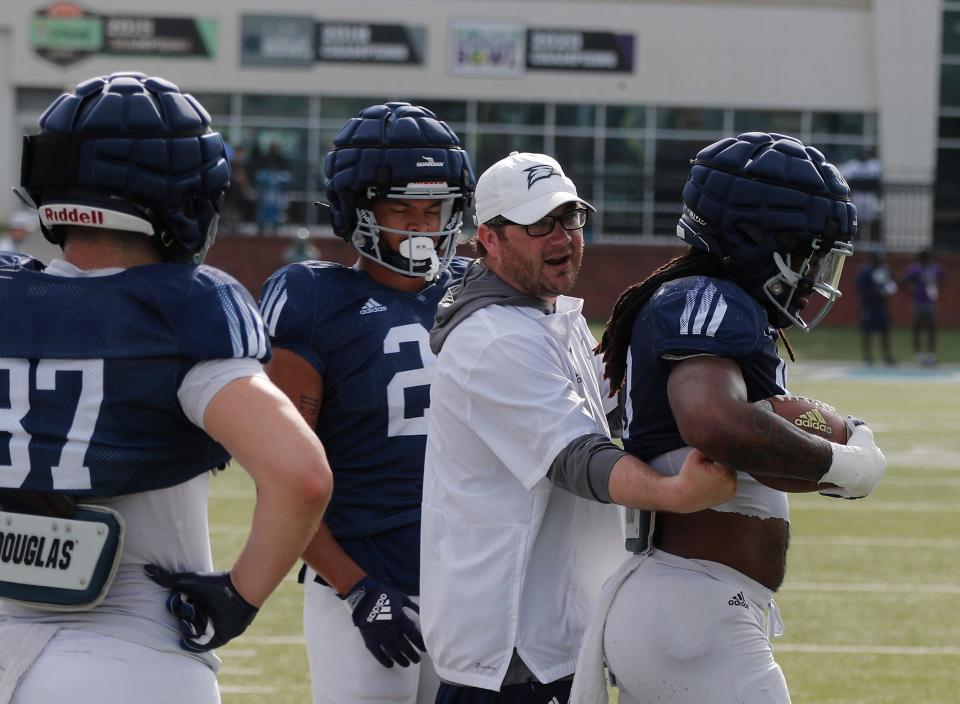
(769, 223)
(351, 349)
(129, 371)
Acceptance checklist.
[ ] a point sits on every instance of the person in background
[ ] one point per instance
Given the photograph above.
(875, 285)
(925, 277)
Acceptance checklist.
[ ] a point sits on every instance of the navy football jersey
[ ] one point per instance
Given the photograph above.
(371, 346)
(90, 368)
(690, 316)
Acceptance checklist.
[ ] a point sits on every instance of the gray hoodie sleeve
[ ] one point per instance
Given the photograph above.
(583, 467)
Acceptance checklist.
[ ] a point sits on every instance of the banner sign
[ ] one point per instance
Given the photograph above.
(357, 42)
(64, 33)
(277, 40)
(576, 50)
(487, 49)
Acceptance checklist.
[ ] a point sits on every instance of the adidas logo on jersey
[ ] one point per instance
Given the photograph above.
(372, 306)
(814, 420)
(738, 600)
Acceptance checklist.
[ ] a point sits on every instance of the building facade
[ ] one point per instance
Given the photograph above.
(622, 93)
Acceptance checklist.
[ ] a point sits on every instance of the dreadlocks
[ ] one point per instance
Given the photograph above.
(619, 328)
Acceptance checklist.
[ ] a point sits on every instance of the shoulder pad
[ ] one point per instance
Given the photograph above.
(700, 314)
(221, 319)
(10, 261)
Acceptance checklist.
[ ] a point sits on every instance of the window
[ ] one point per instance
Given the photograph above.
(951, 33)
(851, 123)
(673, 167)
(217, 104)
(575, 115)
(511, 113)
(950, 85)
(344, 108)
(623, 180)
(575, 155)
(690, 119)
(491, 148)
(450, 111)
(781, 121)
(626, 117)
(275, 105)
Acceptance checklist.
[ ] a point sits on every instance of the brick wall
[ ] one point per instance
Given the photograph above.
(607, 270)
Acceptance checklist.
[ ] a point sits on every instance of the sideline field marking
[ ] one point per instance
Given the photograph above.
(863, 649)
(240, 671)
(870, 542)
(825, 504)
(273, 640)
(801, 371)
(872, 587)
(246, 689)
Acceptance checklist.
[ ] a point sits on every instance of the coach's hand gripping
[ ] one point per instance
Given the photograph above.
(209, 608)
(858, 466)
(388, 633)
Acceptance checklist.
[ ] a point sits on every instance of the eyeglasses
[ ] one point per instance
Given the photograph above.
(571, 220)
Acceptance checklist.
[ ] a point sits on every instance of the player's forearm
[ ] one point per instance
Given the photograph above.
(284, 521)
(764, 443)
(337, 568)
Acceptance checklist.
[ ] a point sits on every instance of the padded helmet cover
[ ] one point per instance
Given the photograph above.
(136, 146)
(758, 195)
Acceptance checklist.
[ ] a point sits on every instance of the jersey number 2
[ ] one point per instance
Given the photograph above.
(398, 423)
(69, 473)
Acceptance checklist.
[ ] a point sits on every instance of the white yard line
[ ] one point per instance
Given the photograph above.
(863, 649)
(826, 504)
(273, 640)
(874, 587)
(240, 671)
(247, 689)
(892, 542)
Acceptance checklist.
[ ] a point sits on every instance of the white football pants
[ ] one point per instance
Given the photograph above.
(692, 631)
(342, 670)
(83, 667)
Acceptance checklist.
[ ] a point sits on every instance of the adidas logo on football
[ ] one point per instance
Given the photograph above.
(814, 420)
(371, 306)
(738, 600)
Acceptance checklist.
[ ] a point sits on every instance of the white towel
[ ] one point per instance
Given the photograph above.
(589, 682)
(20, 645)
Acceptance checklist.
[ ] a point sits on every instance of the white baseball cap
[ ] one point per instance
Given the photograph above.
(523, 187)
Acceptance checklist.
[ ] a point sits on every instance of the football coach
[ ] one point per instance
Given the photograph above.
(521, 477)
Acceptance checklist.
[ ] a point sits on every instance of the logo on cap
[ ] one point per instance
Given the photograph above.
(538, 173)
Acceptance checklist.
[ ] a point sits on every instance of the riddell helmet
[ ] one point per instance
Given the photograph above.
(404, 152)
(128, 152)
(777, 215)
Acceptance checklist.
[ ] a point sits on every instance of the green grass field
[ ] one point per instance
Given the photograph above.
(872, 597)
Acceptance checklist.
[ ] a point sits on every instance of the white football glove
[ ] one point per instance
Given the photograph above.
(858, 466)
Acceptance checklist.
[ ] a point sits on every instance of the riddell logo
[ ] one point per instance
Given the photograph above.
(74, 215)
(814, 420)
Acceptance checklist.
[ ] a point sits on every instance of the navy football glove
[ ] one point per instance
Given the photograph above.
(387, 631)
(210, 609)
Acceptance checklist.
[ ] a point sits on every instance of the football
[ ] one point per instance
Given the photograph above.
(813, 416)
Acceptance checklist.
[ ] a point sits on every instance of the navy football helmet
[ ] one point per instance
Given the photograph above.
(128, 152)
(777, 215)
(404, 152)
